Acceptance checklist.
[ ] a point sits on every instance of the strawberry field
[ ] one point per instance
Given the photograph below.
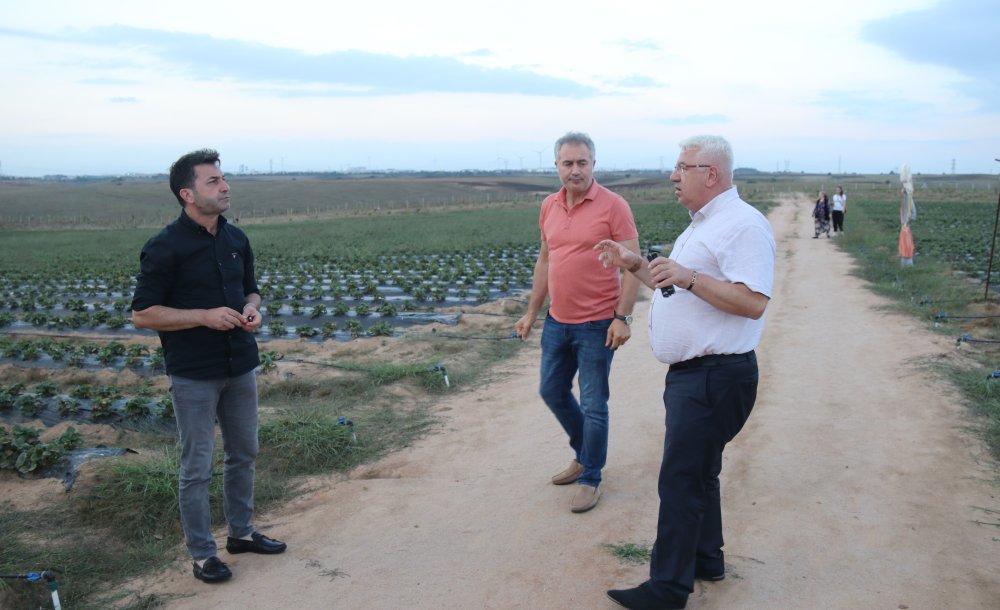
(956, 233)
(66, 296)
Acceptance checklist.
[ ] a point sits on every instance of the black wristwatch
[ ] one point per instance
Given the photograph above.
(626, 319)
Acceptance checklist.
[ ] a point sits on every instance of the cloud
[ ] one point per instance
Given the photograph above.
(477, 53)
(638, 45)
(637, 81)
(343, 73)
(694, 119)
(108, 81)
(30, 35)
(124, 100)
(958, 34)
(867, 106)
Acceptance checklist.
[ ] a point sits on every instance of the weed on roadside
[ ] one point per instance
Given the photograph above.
(629, 552)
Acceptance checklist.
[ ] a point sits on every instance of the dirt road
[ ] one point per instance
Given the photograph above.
(854, 485)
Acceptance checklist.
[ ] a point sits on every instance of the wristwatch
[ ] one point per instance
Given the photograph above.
(626, 319)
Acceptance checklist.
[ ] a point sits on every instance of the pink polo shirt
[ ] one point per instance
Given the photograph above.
(581, 289)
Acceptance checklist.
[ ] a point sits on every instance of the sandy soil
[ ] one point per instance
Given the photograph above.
(856, 483)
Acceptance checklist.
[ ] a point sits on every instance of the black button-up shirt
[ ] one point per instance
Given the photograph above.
(186, 267)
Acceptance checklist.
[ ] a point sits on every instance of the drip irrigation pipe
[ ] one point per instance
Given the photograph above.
(437, 368)
(969, 339)
(50, 582)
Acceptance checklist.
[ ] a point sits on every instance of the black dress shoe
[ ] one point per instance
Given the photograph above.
(213, 571)
(259, 543)
(641, 598)
(709, 577)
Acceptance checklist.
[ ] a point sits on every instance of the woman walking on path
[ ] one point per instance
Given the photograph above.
(839, 210)
(822, 215)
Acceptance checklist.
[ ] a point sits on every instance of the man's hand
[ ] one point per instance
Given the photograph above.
(523, 326)
(612, 253)
(618, 333)
(667, 272)
(252, 318)
(223, 318)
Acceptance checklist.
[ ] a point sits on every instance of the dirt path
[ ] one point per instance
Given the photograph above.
(854, 485)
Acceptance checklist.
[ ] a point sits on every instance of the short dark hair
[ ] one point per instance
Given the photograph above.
(182, 171)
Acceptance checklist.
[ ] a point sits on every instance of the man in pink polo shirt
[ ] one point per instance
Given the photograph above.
(590, 309)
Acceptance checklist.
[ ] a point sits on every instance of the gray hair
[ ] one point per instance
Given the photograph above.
(575, 137)
(714, 147)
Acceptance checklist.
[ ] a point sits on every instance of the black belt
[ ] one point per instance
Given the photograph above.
(714, 360)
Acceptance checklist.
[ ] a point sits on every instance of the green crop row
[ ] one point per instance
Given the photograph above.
(958, 234)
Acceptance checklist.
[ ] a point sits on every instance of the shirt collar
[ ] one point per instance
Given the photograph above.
(716, 205)
(589, 195)
(188, 222)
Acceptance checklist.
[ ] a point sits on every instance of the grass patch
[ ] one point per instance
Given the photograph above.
(629, 552)
(951, 302)
(980, 388)
(310, 441)
(85, 560)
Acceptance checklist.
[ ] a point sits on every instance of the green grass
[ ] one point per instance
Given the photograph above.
(949, 300)
(132, 503)
(629, 552)
(85, 560)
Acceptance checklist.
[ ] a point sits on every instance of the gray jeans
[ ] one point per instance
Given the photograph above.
(197, 406)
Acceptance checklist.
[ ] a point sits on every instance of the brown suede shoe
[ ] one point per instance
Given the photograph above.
(569, 475)
(586, 498)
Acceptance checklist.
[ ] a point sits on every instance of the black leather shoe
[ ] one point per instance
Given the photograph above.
(641, 598)
(213, 571)
(259, 543)
(709, 577)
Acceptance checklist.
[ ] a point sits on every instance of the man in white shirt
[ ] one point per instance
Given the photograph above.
(722, 268)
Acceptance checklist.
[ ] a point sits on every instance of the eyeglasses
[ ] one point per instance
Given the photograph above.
(680, 168)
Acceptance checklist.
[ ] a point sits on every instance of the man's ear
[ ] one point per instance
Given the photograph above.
(713, 176)
(187, 195)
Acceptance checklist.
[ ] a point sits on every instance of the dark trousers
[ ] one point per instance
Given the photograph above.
(706, 404)
(838, 220)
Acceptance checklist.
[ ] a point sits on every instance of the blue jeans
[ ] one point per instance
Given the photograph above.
(566, 350)
(197, 406)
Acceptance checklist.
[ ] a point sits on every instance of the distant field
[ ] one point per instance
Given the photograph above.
(148, 202)
(336, 274)
(40, 221)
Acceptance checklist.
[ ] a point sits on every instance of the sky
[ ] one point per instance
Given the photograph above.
(121, 87)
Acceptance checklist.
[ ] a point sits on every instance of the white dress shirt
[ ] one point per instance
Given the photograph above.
(729, 240)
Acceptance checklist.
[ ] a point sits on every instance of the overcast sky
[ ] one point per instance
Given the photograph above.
(110, 87)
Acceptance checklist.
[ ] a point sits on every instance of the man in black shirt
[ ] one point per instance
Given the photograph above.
(196, 287)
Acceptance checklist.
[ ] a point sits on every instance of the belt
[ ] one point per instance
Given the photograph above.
(714, 360)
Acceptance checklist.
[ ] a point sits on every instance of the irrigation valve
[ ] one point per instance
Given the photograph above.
(444, 372)
(50, 583)
(343, 421)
